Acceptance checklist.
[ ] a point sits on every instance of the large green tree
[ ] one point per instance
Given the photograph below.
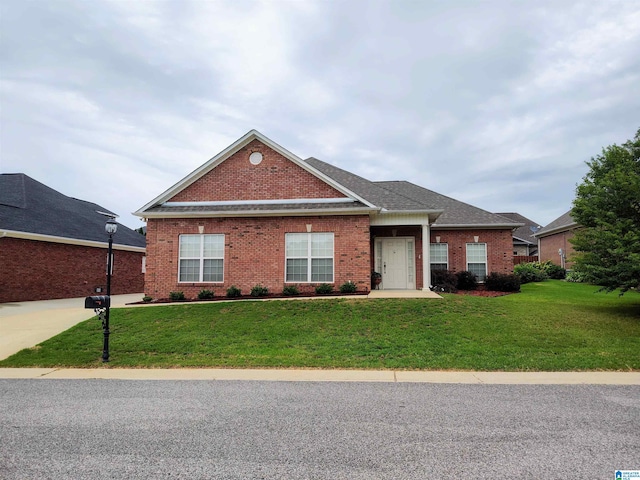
(607, 206)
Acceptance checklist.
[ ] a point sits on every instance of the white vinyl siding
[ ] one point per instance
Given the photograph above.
(201, 258)
(477, 259)
(309, 257)
(439, 254)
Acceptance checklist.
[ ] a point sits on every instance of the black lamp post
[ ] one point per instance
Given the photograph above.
(111, 227)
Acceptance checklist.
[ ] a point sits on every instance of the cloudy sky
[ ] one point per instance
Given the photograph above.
(496, 103)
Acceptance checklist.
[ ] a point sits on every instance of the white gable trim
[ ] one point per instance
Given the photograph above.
(280, 201)
(230, 150)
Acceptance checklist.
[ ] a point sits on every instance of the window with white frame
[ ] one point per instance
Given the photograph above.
(439, 255)
(201, 258)
(477, 259)
(309, 257)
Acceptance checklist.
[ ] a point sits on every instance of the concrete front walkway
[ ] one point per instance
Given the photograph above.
(25, 324)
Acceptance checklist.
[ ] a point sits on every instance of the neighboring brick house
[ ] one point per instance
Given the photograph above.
(54, 246)
(553, 241)
(257, 214)
(524, 243)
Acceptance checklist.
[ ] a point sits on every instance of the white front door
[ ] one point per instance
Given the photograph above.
(394, 263)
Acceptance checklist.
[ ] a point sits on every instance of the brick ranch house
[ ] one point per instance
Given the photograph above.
(54, 246)
(554, 241)
(257, 214)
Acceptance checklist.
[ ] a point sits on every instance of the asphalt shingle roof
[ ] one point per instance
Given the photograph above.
(403, 195)
(27, 205)
(524, 233)
(563, 222)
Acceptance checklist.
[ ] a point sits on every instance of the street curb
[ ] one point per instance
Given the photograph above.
(388, 376)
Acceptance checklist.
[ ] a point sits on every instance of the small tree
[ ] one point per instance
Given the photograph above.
(607, 206)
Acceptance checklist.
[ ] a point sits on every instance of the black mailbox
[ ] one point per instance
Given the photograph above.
(99, 301)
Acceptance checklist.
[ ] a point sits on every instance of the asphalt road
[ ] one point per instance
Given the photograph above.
(117, 429)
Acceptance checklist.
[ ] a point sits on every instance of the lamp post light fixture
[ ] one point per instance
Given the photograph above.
(111, 228)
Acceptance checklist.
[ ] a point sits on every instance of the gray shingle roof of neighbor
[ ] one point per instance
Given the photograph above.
(524, 233)
(403, 195)
(562, 223)
(29, 206)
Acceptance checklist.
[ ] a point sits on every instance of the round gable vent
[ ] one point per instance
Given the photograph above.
(255, 158)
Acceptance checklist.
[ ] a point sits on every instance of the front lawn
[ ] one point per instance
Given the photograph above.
(550, 326)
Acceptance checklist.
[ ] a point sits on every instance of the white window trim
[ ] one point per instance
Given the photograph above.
(486, 263)
(431, 262)
(309, 258)
(201, 258)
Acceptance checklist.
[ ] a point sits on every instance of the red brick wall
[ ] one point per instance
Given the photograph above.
(274, 178)
(549, 248)
(254, 252)
(499, 248)
(34, 270)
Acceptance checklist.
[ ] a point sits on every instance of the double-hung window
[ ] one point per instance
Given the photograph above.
(477, 259)
(439, 254)
(309, 257)
(201, 258)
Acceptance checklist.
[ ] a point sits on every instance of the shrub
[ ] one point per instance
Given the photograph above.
(233, 292)
(467, 280)
(324, 289)
(444, 281)
(290, 290)
(348, 287)
(576, 276)
(530, 272)
(176, 296)
(205, 294)
(502, 282)
(147, 298)
(259, 291)
(554, 271)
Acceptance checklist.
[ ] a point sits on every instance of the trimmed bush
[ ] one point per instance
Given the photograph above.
(147, 298)
(467, 280)
(176, 296)
(324, 289)
(233, 292)
(444, 281)
(290, 290)
(530, 272)
(502, 282)
(259, 291)
(205, 294)
(348, 287)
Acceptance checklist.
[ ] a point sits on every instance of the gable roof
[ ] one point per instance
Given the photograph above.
(30, 209)
(561, 224)
(159, 204)
(361, 196)
(403, 196)
(526, 231)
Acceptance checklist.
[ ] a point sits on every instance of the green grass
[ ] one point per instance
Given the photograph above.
(550, 326)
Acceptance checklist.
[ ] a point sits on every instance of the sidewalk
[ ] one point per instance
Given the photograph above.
(25, 324)
(390, 376)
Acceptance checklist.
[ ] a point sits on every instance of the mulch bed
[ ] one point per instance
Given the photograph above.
(248, 297)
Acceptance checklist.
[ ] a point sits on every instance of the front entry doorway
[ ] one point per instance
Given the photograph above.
(395, 261)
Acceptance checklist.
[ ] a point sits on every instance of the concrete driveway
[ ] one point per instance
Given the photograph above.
(25, 324)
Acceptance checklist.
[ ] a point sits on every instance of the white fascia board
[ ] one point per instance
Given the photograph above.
(263, 213)
(553, 231)
(39, 237)
(280, 201)
(230, 150)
